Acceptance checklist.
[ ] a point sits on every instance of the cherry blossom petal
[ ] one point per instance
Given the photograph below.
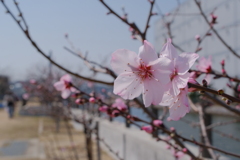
(167, 99)
(174, 90)
(191, 58)
(162, 69)
(169, 50)
(66, 93)
(180, 107)
(59, 86)
(182, 80)
(153, 92)
(147, 52)
(128, 86)
(66, 78)
(72, 89)
(124, 60)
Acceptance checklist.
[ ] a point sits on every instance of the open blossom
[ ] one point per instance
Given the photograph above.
(65, 86)
(179, 67)
(178, 105)
(119, 103)
(204, 64)
(143, 73)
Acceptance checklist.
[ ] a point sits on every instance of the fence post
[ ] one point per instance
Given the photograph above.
(98, 141)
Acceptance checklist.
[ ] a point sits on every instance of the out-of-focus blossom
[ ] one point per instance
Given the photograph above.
(25, 96)
(65, 86)
(205, 65)
(78, 101)
(33, 81)
(103, 109)
(119, 104)
(143, 73)
(157, 122)
(197, 37)
(92, 100)
(148, 129)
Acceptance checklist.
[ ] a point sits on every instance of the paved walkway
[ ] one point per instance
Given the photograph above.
(19, 138)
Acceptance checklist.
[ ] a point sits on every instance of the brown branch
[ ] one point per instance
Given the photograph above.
(233, 99)
(26, 32)
(222, 123)
(214, 30)
(133, 25)
(150, 14)
(216, 100)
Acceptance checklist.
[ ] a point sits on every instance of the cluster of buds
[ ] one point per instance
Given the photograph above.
(151, 128)
(134, 33)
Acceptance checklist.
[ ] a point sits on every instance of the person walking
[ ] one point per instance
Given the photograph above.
(9, 99)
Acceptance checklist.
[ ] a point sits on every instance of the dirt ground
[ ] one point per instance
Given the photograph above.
(58, 145)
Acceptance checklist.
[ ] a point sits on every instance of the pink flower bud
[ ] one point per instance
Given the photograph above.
(197, 37)
(223, 62)
(172, 129)
(78, 101)
(92, 100)
(184, 150)
(223, 71)
(148, 129)
(157, 122)
(103, 109)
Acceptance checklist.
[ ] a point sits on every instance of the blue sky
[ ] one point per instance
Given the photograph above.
(86, 23)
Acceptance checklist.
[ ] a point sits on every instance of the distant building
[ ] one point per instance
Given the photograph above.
(189, 23)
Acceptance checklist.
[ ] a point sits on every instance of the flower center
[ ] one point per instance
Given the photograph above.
(68, 85)
(144, 71)
(174, 74)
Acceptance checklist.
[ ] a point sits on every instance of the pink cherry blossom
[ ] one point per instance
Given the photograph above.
(25, 96)
(33, 81)
(103, 109)
(179, 67)
(197, 37)
(78, 101)
(148, 129)
(65, 86)
(204, 64)
(157, 122)
(92, 100)
(178, 105)
(119, 103)
(143, 73)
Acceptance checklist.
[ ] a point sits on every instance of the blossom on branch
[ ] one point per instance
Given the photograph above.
(143, 73)
(205, 65)
(65, 86)
(179, 66)
(178, 105)
(119, 104)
